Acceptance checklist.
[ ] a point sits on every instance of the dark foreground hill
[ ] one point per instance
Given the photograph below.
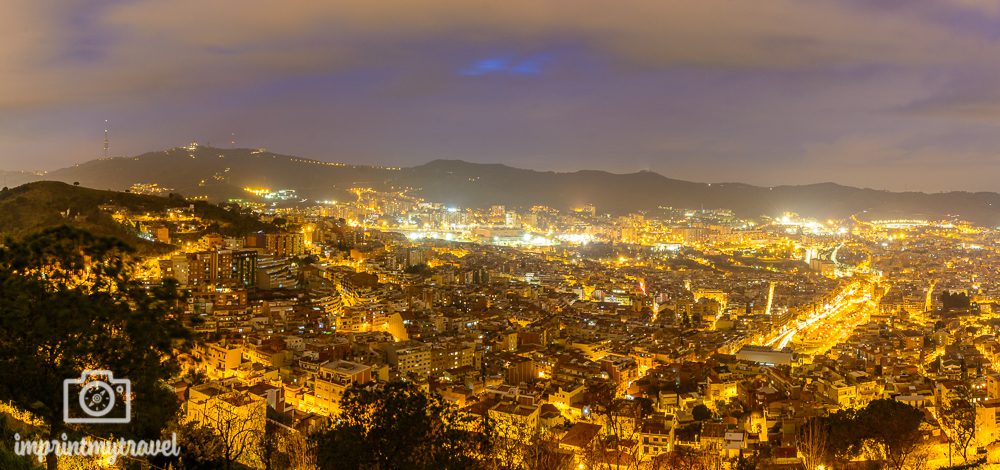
(221, 174)
(36, 206)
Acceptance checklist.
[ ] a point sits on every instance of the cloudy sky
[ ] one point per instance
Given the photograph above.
(897, 94)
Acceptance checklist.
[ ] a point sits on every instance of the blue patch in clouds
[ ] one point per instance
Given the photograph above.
(505, 65)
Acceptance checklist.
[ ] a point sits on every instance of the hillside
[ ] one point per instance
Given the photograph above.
(221, 174)
(469, 184)
(40, 205)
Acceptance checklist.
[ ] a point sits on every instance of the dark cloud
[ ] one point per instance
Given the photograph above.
(771, 92)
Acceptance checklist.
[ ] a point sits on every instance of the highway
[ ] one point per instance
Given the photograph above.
(829, 321)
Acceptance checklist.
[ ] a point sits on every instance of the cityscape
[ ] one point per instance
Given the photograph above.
(504, 236)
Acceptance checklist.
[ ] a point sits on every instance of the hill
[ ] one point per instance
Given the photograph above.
(469, 184)
(36, 206)
(221, 174)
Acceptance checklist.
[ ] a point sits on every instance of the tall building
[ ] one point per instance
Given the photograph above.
(411, 357)
(285, 244)
(202, 268)
(244, 269)
(415, 256)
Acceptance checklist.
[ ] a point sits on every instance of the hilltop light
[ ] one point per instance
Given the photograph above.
(257, 191)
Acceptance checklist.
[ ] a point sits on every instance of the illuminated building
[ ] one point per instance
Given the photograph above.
(764, 355)
(285, 244)
(333, 379)
(410, 357)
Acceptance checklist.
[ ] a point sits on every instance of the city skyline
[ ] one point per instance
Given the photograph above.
(500, 235)
(783, 93)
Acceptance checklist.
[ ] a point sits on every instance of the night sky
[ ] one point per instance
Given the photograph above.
(895, 94)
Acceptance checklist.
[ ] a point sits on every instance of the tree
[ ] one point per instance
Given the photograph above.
(419, 268)
(701, 412)
(811, 441)
(297, 450)
(514, 446)
(891, 430)
(686, 458)
(8, 459)
(543, 453)
(749, 463)
(195, 377)
(267, 449)
(954, 300)
(958, 417)
(69, 303)
(618, 446)
(200, 448)
(844, 440)
(285, 448)
(510, 441)
(396, 426)
(886, 431)
(238, 419)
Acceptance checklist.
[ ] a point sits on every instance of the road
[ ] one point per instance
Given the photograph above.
(833, 320)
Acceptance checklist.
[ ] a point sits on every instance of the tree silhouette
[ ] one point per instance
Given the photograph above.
(954, 300)
(892, 430)
(811, 440)
(885, 431)
(239, 420)
(843, 440)
(200, 448)
(397, 426)
(958, 417)
(68, 303)
(701, 412)
(618, 445)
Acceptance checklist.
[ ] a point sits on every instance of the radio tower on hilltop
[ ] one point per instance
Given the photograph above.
(107, 141)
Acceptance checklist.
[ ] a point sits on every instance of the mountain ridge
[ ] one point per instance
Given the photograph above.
(222, 174)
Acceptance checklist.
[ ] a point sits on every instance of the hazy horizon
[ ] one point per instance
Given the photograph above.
(522, 167)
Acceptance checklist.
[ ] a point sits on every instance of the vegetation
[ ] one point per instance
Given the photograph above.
(69, 303)
(886, 432)
(201, 448)
(955, 300)
(420, 268)
(958, 417)
(811, 440)
(397, 426)
(34, 207)
(701, 413)
(8, 459)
